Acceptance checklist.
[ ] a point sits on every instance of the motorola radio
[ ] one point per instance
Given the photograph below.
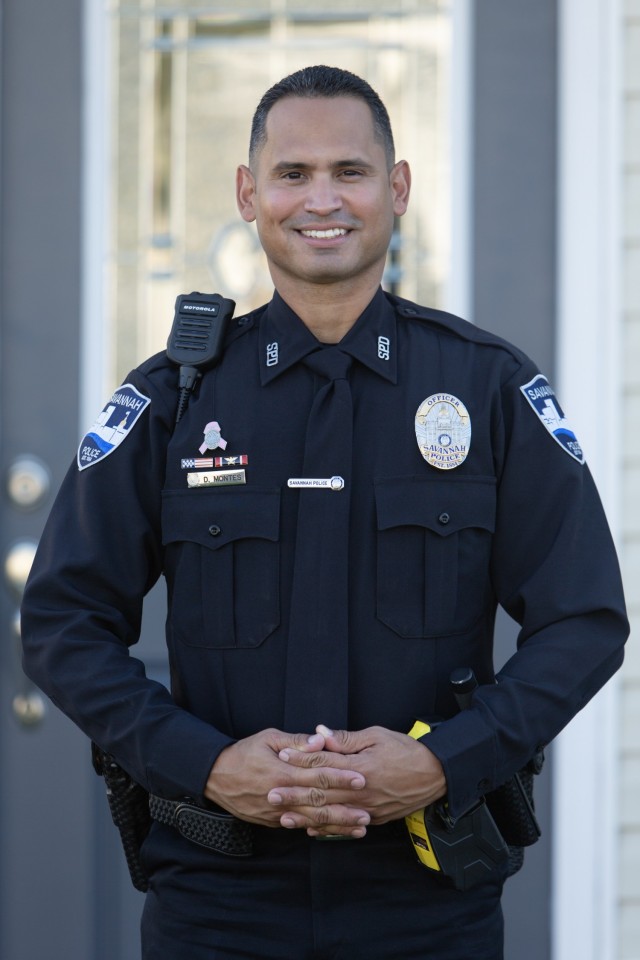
(197, 338)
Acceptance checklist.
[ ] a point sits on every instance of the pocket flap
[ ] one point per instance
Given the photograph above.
(214, 518)
(444, 505)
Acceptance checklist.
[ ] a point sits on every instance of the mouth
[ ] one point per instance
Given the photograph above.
(330, 234)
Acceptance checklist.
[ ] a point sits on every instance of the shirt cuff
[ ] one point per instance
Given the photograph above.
(188, 754)
(466, 748)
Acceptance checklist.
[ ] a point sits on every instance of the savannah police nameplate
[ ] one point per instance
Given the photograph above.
(443, 431)
(317, 483)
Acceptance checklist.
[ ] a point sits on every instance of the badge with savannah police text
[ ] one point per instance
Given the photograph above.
(545, 403)
(443, 431)
(112, 426)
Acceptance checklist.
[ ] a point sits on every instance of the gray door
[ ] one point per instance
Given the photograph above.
(60, 864)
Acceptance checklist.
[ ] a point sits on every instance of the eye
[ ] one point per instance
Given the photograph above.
(293, 175)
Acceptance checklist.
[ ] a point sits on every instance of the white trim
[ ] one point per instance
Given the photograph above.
(94, 333)
(457, 295)
(585, 755)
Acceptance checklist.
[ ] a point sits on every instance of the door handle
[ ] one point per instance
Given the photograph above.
(28, 703)
(28, 484)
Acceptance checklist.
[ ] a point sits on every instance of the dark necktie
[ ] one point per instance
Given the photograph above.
(318, 645)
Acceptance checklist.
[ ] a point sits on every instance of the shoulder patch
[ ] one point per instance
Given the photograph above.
(544, 402)
(112, 426)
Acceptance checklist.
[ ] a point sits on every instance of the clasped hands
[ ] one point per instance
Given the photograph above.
(327, 783)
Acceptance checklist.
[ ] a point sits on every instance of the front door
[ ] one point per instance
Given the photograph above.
(122, 124)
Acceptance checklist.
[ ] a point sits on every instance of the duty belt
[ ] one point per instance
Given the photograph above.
(217, 830)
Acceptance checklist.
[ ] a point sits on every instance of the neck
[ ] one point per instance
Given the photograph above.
(327, 310)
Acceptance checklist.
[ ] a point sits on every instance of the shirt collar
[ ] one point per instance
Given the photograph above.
(285, 340)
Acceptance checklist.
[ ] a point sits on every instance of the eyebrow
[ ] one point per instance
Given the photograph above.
(285, 165)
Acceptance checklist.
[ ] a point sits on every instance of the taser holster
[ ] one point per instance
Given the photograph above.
(490, 836)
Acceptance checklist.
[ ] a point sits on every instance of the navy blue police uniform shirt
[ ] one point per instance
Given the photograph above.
(516, 521)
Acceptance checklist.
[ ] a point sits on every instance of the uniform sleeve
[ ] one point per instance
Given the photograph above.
(555, 571)
(100, 553)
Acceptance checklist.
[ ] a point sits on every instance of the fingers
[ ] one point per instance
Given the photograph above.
(332, 820)
(312, 751)
(343, 741)
(300, 742)
(323, 807)
(317, 792)
(294, 747)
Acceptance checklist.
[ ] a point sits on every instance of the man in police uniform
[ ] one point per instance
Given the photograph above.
(348, 496)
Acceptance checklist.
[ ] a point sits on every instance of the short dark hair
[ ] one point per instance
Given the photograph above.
(321, 81)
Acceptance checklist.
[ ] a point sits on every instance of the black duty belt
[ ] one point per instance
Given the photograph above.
(217, 830)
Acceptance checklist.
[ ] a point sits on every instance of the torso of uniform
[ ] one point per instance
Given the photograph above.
(467, 488)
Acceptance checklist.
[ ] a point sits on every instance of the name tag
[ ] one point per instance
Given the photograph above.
(215, 478)
(317, 483)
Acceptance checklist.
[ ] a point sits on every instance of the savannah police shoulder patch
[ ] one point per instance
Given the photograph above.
(112, 425)
(544, 402)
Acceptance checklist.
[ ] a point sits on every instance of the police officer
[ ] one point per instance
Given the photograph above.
(349, 495)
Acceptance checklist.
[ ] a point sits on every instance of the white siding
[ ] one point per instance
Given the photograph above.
(589, 361)
(629, 798)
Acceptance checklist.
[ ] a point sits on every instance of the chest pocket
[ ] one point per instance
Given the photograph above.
(222, 565)
(434, 544)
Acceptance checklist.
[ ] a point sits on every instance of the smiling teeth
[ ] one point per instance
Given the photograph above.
(325, 234)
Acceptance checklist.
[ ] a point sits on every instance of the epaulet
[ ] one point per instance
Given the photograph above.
(237, 327)
(157, 362)
(453, 324)
(242, 324)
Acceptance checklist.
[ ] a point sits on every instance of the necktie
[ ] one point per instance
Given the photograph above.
(317, 652)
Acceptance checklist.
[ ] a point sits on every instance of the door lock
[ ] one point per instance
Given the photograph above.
(17, 564)
(28, 482)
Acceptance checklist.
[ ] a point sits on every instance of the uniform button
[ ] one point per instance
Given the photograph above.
(242, 321)
(215, 530)
(410, 311)
(444, 518)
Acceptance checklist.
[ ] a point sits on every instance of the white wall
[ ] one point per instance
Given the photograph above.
(629, 799)
(587, 770)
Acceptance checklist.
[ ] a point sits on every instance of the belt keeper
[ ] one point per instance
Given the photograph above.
(215, 830)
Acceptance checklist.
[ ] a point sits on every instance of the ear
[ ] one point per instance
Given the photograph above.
(245, 193)
(400, 182)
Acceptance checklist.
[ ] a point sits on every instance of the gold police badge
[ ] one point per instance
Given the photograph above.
(443, 431)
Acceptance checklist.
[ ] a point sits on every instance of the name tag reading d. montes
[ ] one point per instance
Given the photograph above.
(215, 478)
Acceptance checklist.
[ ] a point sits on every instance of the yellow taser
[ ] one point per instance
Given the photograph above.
(415, 822)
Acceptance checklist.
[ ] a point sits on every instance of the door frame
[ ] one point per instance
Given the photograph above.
(589, 344)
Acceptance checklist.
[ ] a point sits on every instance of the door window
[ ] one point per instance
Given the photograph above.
(187, 77)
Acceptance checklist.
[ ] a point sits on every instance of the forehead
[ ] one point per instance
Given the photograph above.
(335, 127)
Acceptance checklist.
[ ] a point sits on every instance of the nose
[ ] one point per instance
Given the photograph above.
(323, 196)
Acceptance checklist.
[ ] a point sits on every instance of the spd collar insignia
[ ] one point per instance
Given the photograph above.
(544, 402)
(443, 431)
(112, 426)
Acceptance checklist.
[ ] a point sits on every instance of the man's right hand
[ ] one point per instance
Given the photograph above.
(245, 772)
